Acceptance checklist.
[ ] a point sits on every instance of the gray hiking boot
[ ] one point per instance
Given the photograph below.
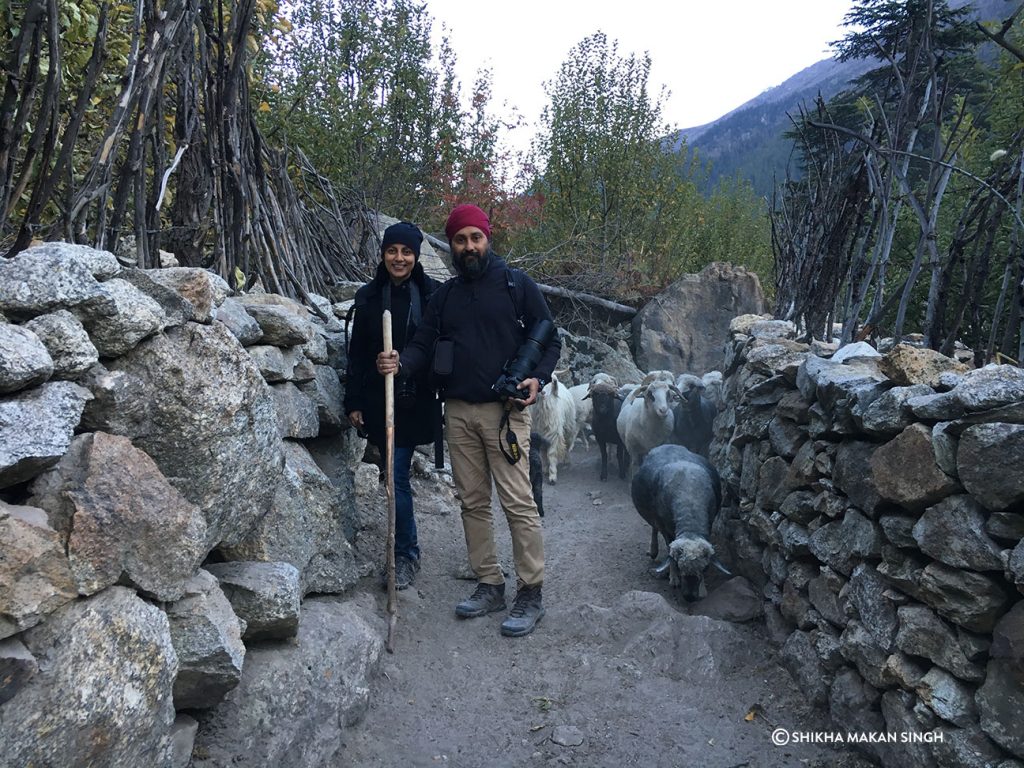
(485, 599)
(405, 573)
(526, 612)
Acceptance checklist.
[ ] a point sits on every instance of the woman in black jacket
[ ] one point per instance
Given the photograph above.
(402, 286)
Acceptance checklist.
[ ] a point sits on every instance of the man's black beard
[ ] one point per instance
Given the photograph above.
(471, 271)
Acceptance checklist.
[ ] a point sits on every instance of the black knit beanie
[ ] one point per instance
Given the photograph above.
(402, 233)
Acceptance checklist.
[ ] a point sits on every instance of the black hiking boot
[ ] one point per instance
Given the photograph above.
(405, 573)
(485, 599)
(526, 612)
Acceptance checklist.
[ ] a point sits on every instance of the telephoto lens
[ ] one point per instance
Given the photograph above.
(526, 359)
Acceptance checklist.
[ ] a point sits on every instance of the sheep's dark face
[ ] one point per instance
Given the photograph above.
(604, 403)
(692, 556)
(690, 389)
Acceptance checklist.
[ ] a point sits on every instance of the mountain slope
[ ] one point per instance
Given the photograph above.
(748, 141)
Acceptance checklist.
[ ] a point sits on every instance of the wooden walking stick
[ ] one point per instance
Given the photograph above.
(389, 473)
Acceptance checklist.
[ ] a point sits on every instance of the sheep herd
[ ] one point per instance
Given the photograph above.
(661, 429)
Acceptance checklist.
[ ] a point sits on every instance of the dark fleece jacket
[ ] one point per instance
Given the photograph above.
(364, 387)
(478, 314)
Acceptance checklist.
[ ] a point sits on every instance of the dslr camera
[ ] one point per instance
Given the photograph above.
(526, 359)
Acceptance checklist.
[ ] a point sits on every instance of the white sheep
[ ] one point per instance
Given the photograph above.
(713, 388)
(646, 418)
(648, 378)
(554, 417)
(584, 410)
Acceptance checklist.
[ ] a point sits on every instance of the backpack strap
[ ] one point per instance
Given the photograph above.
(513, 292)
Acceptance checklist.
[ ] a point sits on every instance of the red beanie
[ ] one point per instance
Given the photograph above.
(467, 216)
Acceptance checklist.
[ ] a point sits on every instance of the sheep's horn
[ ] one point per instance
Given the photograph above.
(586, 396)
(718, 564)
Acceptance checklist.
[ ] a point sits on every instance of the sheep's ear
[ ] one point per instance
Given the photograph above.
(586, 396)
(675, 390)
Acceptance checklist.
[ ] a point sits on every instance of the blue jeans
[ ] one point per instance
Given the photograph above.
(406, 544)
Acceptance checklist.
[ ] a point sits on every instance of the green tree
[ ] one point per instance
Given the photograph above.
(616, 209)
(350, 82)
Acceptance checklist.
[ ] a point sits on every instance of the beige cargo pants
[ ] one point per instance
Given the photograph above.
(472, 430)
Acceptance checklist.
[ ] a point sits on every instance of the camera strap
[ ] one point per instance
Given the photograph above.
(514, 452)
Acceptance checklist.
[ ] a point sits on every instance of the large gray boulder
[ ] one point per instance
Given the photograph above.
(800, 658)
(860, 648)
(120, 520)
(66, 340)
(844, 543)
(136, 316)
(241, 324)
(310, 691)
(853, 702)
(908, 365)
(297, 414)
(102, 695)
(102, 265)
(989, 461)
(24, 360)
(584, 356)
(266, 596)
(953, 531)
(35, 576)
(49, 277)
(282, 326)
(972, 600)
(17, 667)
(1008, 638)
(991, 387)
(1001, 706)
(36, 427)
(948, 698)
(867, 592)
(904, 470)
(276, 364)
(327, 392)
(850, 474)
(177, 310)
(685, 327)
(922, 633)
(207, 637)
(305, 527)
(888, 415)
(204, 290)
(209, 424)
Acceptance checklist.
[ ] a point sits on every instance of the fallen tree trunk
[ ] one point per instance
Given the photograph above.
(564, 293)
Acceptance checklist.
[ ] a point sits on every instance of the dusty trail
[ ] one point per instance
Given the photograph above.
(614, 665)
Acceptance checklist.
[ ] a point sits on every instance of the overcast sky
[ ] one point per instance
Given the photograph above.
(713, 55)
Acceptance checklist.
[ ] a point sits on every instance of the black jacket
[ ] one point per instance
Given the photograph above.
(480, 317)
(364, 387)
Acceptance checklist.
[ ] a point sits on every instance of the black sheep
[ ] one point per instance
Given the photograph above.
(678, 493)
(607, 404)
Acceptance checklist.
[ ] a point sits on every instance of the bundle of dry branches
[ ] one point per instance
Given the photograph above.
(238, 204)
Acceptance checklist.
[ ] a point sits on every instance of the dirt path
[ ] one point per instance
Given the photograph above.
(615, 671)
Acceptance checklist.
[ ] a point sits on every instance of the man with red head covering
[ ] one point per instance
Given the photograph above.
(475, 323)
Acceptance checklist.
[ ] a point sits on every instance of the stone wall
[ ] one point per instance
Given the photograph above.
(174, 480)
(878, 502)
